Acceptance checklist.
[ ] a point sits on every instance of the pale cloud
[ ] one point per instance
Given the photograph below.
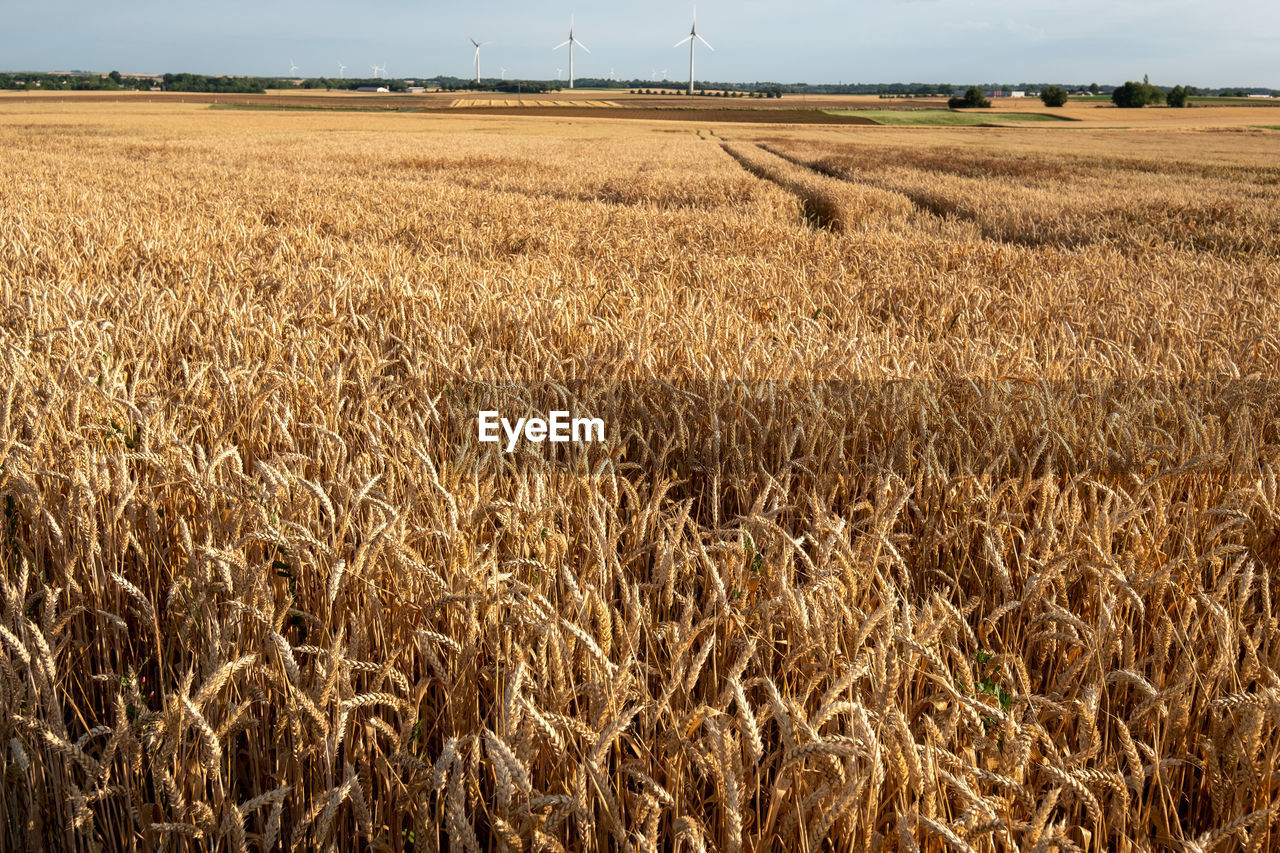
(1027, 32)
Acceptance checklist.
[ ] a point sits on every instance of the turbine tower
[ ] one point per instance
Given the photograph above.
(571, 41)
(478, 44)
(693, 38)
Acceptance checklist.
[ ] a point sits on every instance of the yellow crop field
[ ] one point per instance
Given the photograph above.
(937, 505)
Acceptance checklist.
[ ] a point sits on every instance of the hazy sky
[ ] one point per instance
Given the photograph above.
(1224, 42)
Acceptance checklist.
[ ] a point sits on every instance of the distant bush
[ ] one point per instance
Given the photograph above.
(1054, 96)
(1177, 97)
(1133, 95)
(973, 98)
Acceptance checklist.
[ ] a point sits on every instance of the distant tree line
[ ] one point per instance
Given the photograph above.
(510, 87)
(716, 93)
(115, 81)
(1130, 94)
(77, 82)
(339, 83)
(202, 83)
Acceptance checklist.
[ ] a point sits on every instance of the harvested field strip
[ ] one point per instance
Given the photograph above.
(826, 203)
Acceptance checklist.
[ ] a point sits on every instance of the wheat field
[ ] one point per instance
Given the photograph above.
(938, 508)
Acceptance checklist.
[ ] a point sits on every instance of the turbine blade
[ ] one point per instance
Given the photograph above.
(704, 41)
(560, 45)
(682, 41)
(581, 45)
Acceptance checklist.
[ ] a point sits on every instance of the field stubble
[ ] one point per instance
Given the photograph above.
(939, 509)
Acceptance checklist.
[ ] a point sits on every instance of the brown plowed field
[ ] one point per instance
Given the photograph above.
(695, 109)
(729, 114)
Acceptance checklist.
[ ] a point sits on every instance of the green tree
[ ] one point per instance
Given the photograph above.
(1133, 95)
(973, 98)
(1094, 89)
(1054, 96)
(1177, 97)
(1127, 96)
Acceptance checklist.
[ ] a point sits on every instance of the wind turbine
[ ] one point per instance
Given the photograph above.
(571, 41)
(342, 71)
(478, 44)
(502, 73)
(559, 73)
(693, 38)
(293, 69)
